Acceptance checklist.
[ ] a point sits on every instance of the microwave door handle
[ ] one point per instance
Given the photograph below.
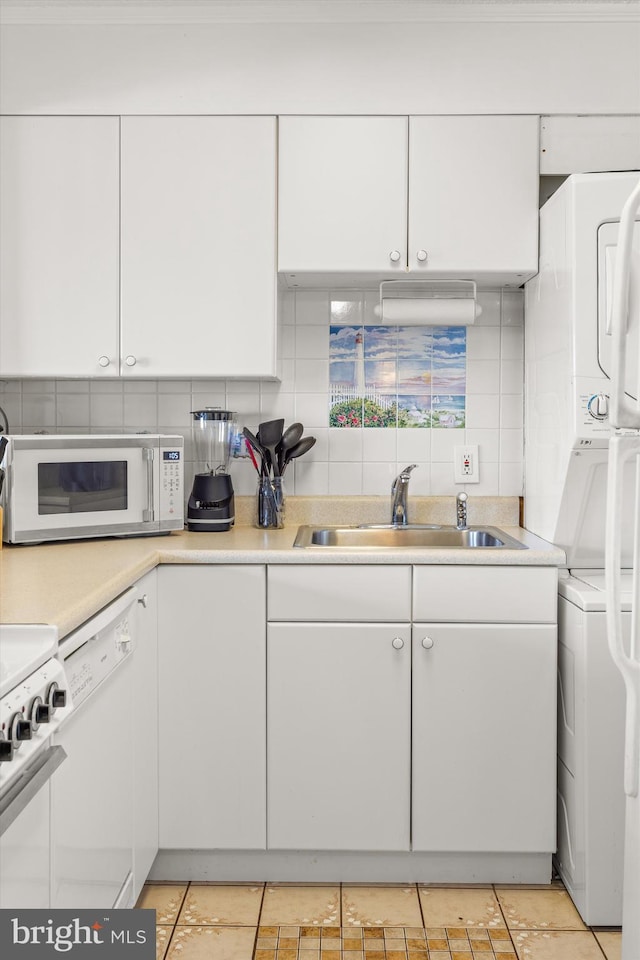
(14, 803)
(147, 456)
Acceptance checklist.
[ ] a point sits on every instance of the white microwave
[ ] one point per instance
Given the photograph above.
(70, 487)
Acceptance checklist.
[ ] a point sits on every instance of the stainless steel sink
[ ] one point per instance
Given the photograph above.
(416, 536)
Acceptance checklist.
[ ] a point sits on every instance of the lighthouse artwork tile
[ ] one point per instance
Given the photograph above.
(397, 376)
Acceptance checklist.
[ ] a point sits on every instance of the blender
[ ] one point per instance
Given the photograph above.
(211, 505)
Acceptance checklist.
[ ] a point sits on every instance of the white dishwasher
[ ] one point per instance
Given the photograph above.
(91, 798)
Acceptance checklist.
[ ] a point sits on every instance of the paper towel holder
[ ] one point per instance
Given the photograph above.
(428, 302)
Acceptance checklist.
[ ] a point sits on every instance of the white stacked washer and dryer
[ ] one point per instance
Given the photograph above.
(568, 369)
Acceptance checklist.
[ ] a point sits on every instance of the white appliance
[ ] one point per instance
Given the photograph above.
(69, 487)
(622, 515)
(34, 701)
(92, 796)
(570, 368)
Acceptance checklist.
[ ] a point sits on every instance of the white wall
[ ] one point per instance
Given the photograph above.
(466, 67)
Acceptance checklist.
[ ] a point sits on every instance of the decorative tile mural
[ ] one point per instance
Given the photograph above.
(397, 376)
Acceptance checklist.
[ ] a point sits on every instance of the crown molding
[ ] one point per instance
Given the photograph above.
(74, 12)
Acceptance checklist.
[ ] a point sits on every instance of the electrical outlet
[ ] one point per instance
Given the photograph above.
(465, 462)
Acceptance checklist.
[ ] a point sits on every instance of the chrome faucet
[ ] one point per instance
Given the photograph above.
(399, 493)
(461, 511)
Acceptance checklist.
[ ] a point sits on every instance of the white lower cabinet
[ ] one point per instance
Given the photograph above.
(484, 735)
(338, 736)
(314, 714)
(432, 733)
(211, 637)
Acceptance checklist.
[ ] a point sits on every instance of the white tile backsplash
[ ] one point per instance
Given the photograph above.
(378, 445)
(483, 376)
(488, 443)
(343, 462)
(483, 343)
(312, 343)
(511, 480)
(511, 376)
(72, 410)
(312, 376)
(315, 307)
(345, 479)
(377, 478)
(311, 409)
(345, 445)
(483, 411)
(512, 343)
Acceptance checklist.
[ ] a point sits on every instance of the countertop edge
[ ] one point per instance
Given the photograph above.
(78, 579)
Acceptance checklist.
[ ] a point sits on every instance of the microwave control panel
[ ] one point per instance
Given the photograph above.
(172, 479)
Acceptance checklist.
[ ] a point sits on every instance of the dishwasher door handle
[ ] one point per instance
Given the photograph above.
(21, 795)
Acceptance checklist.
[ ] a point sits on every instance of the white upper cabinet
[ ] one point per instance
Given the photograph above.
(342, 194)
(138, 247)
(59, 246)
(198, 246)
(387, 196)
(473, 189)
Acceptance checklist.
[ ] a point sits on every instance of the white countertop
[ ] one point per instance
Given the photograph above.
(65, 583)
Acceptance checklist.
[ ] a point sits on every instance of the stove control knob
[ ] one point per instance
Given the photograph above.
(19, 730)
(6, 748)
(598, 406)
(39, 713)
(56, 697)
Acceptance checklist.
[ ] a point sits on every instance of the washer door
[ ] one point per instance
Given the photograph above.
(607, 244)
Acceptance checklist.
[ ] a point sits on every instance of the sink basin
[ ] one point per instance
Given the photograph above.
(416, 536)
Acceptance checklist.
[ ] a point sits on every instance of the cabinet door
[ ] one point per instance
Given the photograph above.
(338, 735)
(473, 195)
(59, 199)
(342, 193)
(145, 732)
(198, 246)
(211, 626)
(484, 737)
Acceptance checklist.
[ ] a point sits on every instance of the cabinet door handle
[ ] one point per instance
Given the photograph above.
(421, 255)
(427, 642)
(104, 361)
(394, 256)
(397, 643)
(143, 600)
(130, 361)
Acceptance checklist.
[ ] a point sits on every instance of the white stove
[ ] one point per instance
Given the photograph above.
(34, 700)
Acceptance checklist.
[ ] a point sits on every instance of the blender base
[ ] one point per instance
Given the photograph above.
(211, 505)
(206, 521)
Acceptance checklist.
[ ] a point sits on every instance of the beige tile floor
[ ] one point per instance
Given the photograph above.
(272, 921)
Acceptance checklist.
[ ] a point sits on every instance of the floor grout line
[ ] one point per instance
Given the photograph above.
(373, 943)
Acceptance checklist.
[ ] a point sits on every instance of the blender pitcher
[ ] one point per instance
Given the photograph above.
(211, 505)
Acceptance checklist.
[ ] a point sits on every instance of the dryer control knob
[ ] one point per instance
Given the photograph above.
(598, 406)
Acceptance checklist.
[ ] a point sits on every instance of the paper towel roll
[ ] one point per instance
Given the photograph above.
(428, 311)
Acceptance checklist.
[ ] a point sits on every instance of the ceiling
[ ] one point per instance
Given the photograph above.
(319, 11)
